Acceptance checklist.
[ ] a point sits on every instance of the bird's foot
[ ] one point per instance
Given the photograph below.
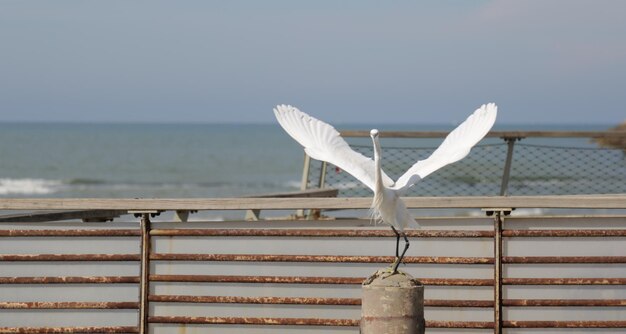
(391, 270)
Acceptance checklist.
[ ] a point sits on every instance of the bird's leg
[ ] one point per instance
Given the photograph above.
(397, 241)
(399, 260)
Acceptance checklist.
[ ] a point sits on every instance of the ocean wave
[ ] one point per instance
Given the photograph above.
(28, 186)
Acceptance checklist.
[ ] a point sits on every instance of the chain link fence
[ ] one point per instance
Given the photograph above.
(534, 170)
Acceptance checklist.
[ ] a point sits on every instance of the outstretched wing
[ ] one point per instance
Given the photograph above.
(322, 142)
(454, 148)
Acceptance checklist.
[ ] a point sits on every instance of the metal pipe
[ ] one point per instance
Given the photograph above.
(304, 301)
(564, 302)
(68, 257)
(144, 284)
(565, 324)
(497, 272)
(33, 330)
(309, 280)
(70, 280)
(69, 305)
(564, 281)
(350, 233)
(563, 259)
(563, 233)
(317, 258)
(71, 233)
(506, 173)
(253, 321)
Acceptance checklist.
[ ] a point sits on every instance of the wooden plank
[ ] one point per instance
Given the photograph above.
(317, 192)
(34, 217)
(135, 204)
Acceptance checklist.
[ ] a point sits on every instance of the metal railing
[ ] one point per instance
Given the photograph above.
(516, 165)
(308, 273)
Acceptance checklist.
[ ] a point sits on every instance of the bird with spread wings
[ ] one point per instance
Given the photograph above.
(322, 142)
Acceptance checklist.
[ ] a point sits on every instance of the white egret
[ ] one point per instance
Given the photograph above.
(322, 142)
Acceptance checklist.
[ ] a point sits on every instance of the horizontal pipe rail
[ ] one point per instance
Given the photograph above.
(69, 257)
(300, 321)
(304, 301)
(564, 324)
(69, 305)
(54, 330)
(564, 302)
(308, 280)
(563, 233)
(318, 233)
(70, 280)
(71, 233)
(471, 202)
(563, 259)
(253, 321)
(564, 281)
(318, 258)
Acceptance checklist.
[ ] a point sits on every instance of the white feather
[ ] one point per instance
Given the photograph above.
(322, 142)
(455, 147)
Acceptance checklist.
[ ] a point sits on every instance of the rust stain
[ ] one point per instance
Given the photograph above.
(317, 258)
(70, 257)
(309, 280)
(319, 233)
(70, 280)
(69, 305)
(564, 324)
(563, 233)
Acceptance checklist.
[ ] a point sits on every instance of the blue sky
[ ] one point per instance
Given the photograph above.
(420, 62)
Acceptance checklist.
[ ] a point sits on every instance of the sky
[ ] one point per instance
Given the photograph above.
(351, 61)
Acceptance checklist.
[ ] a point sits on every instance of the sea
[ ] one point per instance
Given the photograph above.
(81, 160)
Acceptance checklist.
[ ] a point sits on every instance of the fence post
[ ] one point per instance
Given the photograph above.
(506, 174)
(497, 282)
(144, 279)
(392, 304)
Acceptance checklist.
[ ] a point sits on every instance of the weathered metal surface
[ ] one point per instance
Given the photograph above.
(459, 324)
(356, 233)
(392, 304)
(497, 272)
(308, 280)
(41, 216)
(564, 259)
(304, 301)
(564, 281)
(317, 258)
(563, 233)
(256, 279)
(458, 303)
(564, 302)
(253, 321)
(565, 324)
(69, 305)
(70, 280)
(144, 274)
(254, 300)
(69, 257)
(54, 330)
(71, 233)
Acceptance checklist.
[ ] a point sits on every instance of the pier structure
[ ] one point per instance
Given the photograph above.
(507, 265)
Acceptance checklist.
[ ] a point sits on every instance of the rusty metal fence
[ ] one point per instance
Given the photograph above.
(490, 271)
(537, 163)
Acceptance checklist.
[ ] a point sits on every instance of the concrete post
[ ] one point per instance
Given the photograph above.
(392, 304)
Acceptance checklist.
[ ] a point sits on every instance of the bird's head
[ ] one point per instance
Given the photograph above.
(374, 133)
